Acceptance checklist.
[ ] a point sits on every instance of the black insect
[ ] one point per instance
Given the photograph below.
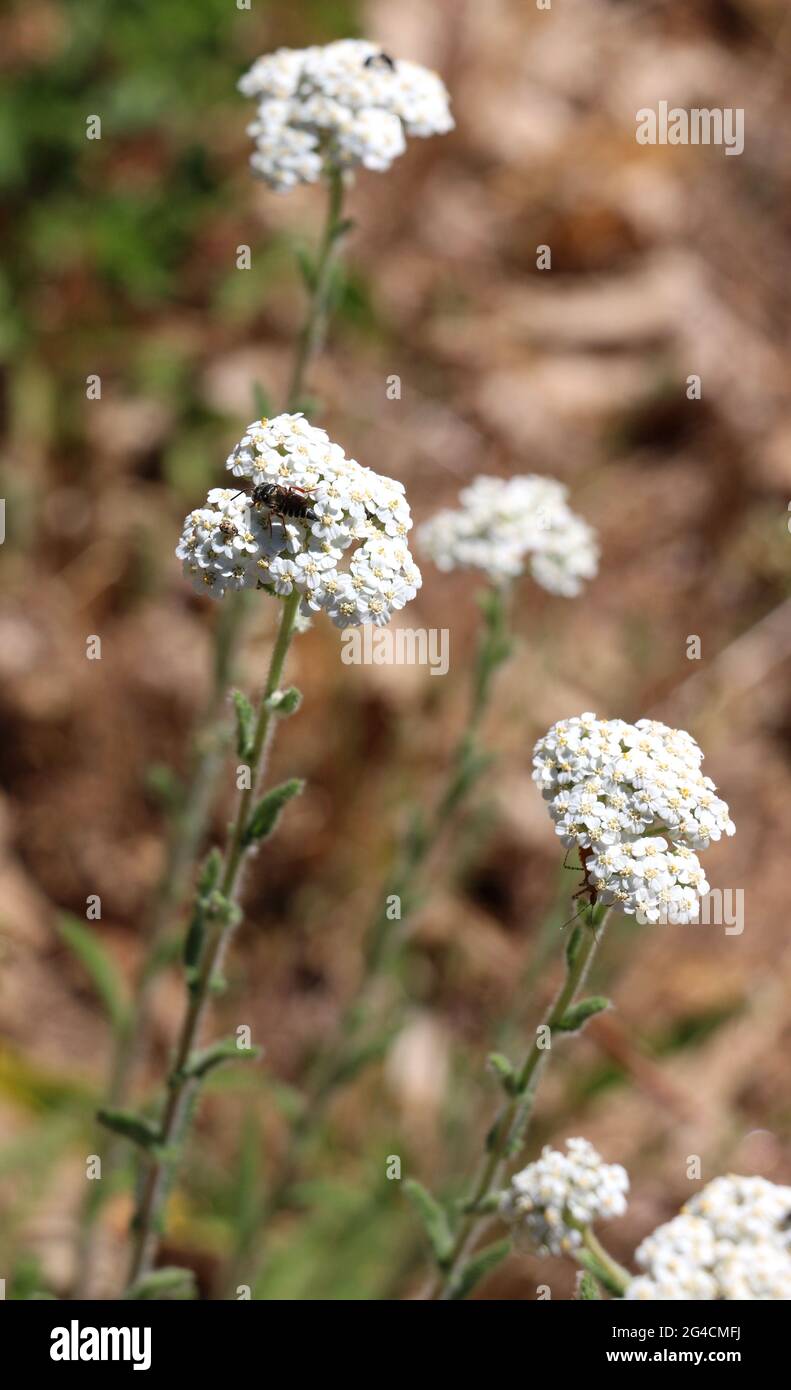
(282, 501)
(375, 60)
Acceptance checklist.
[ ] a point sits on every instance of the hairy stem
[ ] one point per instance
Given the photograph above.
(601, 1264)
(186, 833)
(188, 826)
(507, 1135)
(181, 1086)
(312, 335)
(386, 934)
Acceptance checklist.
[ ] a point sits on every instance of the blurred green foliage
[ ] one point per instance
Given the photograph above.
(127, 208)
(120, 251)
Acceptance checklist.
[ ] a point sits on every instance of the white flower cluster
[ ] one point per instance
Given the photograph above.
(505, 525)
(338, 106)
(551, 1198)
(633, 797)
(732, 1241)
(350, 512)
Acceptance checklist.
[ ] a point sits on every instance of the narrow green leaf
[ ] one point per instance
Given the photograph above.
(307, 268)
(288, 1099)
(268, 811)
(487, 1205)
(342, 229)
(573, 945)
(503, 1070)
(210, 872)
(493, 1135)
(577, 1016)
(169, 1283)
(245, 724)
(434, 1218)
(105, 977)
(587, 1287)
(355, 1061)
(225, 1051)
(285, 702)
(193, 942)
(599, 1272)
(480, 1265)
(164, 786)
(131, 1126)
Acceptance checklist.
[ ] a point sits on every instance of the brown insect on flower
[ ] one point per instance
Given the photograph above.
(281, 501)
(586, 886)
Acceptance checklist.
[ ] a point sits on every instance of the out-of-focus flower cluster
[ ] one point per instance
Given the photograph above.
(348, 555)
(731, 1241)
(504, 526)
(552, 1198)
(338, 106)
(634, 796)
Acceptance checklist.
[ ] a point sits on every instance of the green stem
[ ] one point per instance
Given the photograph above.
(493, 648)
(181, 1087)
(186, 833)
(602, 1265)
(312, 334)
(189, 826)
(507, 1136)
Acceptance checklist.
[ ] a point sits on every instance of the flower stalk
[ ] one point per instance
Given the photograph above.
(354, 1044)
(190, 818)
(600, 1263)
(507, 1135)
(224, 915)
(319, 284)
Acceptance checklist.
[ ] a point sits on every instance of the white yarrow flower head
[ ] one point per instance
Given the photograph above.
(552, 1200)
(344, 549)
(731, 1241)
(633, 799)
(337, 107)
(507, 526)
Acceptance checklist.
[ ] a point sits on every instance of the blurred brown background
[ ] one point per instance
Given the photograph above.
(665, 262)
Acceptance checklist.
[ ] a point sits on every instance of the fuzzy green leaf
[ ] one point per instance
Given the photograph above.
(210, 872)
(307, 268)
(130, 1126)
(105, 977)
(434, 1218)
(355, 1061)
(573, 945)
(268, 811)
(245, 724)
(169, 1283)
(225, 1051)
(193, 942)
(342, 229)
(208, 879)
(503, 1070)
(164, 786)
(600, 1273)
(285, 702)
(587, 1287)
(478, 1266)
(577, 1016)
